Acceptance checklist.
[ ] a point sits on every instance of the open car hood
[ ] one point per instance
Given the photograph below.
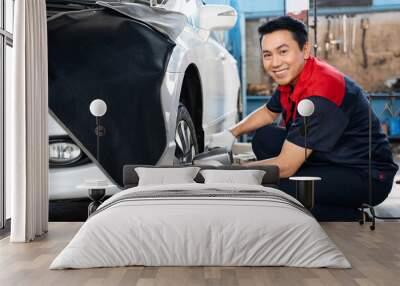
(168, 22)
(107, 54)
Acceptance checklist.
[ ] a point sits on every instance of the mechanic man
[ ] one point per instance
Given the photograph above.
(337, 131)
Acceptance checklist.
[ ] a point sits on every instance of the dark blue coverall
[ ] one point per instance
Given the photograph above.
(337, 132)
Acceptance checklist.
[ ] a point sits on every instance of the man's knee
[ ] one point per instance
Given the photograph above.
(267, 141)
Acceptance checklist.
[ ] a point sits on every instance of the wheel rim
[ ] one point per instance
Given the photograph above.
(185, 148)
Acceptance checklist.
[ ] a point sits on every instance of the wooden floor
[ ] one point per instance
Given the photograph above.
(375, 257)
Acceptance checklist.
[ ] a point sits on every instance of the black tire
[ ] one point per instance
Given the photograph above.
(185, 137)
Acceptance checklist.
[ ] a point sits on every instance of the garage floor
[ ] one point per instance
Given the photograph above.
(391, 206)
(68, 210)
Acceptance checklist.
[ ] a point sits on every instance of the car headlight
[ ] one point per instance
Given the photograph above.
(63, 152)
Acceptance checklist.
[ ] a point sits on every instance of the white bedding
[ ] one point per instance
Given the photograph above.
(225, 231)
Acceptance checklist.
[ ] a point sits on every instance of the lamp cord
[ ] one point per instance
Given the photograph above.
(370, 151)
(98, 138)
(305, 138)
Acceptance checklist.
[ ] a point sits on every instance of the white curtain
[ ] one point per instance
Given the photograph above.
(26, 124)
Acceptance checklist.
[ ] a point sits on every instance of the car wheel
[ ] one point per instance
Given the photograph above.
(185, 137)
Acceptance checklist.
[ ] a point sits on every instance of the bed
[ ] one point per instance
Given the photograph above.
(201, 224)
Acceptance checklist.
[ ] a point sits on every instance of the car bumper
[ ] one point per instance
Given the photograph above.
(63, 182)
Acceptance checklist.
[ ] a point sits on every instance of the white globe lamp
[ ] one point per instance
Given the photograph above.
(305, 107)
(98, 108)
(305, 185)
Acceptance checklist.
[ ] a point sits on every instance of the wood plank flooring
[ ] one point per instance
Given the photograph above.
(375, 257)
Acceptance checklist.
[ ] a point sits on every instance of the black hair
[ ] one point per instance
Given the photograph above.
(296, 27)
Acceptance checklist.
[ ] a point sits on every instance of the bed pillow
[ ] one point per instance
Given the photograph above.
(163, 176)
(248, 177)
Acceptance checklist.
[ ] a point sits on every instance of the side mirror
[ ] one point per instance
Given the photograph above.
(217, 17)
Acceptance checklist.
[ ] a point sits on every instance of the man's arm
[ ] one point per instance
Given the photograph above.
(289, 160)
(257, 119)
(260, 117)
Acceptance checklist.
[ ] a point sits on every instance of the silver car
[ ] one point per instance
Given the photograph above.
(165, 100)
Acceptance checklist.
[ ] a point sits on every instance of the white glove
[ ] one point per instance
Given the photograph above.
(222, 139)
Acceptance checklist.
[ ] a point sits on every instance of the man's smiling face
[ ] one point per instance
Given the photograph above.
(283, 59)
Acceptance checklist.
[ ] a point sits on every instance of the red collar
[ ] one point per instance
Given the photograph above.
(316, 79)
